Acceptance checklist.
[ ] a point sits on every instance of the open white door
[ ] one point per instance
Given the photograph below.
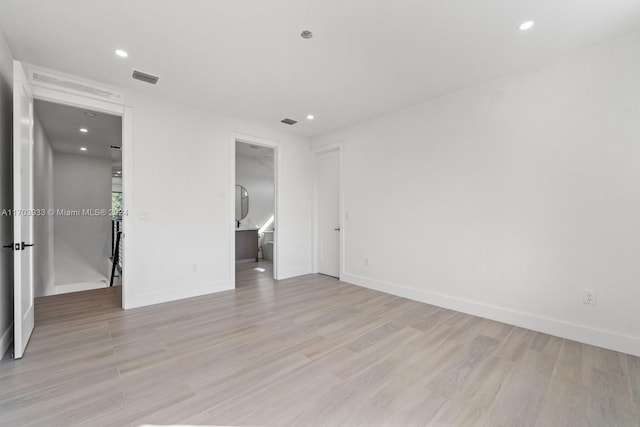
(23, 210)
(329, 213)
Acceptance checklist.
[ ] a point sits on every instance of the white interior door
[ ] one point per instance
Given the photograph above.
(23, 210)
(329, 213)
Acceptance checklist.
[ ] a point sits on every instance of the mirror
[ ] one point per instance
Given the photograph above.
(242, 202)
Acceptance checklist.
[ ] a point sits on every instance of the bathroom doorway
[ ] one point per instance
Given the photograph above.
(255, 222)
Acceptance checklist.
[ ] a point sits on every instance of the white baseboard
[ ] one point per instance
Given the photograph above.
(81, 286)
(294, 272)
(560, 328)
(150, 298)
(6, 340)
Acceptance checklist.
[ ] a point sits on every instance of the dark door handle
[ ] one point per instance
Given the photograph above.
(337, 229)
(9, 246)
(27, 245)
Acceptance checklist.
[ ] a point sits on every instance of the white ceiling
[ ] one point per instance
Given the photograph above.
(253, 151)
(62, 125)
(263, 155)
(246, 57)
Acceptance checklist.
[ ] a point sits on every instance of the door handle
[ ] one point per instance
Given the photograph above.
(337, 229)
(27, 245)
(9, 246)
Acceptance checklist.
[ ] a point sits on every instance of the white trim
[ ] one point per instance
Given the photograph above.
(557, 327)
(59, 97)
(154, 297)
(232, 209)
(72, 85)
(128, 202)
(336, 146)
(6, 340)
(294, 272)
(255, 140)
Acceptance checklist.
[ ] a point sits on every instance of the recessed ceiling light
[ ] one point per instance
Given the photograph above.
(306, 34)
(83, 148)
(526, 25)
(310, 117)
(84, 130)
(121, 53)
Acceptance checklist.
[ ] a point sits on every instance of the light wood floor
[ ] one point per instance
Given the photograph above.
(304, 352)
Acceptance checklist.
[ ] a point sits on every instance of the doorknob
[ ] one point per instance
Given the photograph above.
(337, 229)
(9, 246)
(27, 245)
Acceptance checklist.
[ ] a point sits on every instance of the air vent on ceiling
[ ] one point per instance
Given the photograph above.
(144, 77)
(51, 80)
(288, 121)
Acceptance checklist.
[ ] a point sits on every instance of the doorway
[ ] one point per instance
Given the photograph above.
(255, 211)
(328, 229)
(78, 183)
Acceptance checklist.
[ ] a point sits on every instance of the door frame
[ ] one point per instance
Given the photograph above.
(126, 113)
(263, 142)
(316, 152)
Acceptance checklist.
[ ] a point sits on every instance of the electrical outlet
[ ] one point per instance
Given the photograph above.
(366, 261)
(589, 297)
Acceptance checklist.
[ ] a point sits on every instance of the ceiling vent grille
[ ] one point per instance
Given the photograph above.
(144, 77)
(50, 80)
(289, 121)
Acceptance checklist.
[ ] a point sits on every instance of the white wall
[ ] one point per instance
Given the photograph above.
(257, 177)
(82, 243)
(43, 200)
(6, 199)
(178, 185)
(509, 198)
(182, 177)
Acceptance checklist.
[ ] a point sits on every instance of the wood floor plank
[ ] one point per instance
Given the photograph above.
(473, 404)
(609, 401)
(454, 373)
(310, 351)
(565, 404)
(634, 377)
(522, 395)
(575, 363)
